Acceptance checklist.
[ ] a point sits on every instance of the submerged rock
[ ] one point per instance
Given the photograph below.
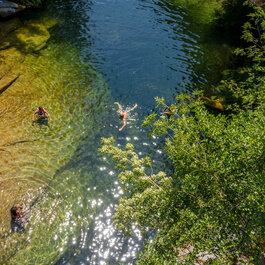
(33, 37)
(4, 45)
(8, 8)
(11, 57)
(212, 103)
(47, 22)
(7, 81)
(8, 26)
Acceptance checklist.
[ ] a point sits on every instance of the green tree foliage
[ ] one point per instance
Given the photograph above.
(215, 199)
(254, 36)
(246, 81)
(213, 204)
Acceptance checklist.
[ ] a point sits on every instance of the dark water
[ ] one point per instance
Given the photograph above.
(138, 50)
(143, 49)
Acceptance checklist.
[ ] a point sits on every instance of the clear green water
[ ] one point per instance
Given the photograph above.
(101, 52)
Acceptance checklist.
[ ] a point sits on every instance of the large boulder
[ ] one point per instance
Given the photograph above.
(29, 38)
(33, 37)
(212, 103)
(47, 22)
(6, 28)
(8, 8)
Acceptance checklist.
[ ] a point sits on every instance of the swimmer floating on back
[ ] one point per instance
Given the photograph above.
(124, 114)
(42, 113)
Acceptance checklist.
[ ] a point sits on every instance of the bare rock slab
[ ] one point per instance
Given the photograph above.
(8, 8)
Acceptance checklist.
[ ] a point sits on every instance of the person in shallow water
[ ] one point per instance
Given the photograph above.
(124, 114)
(18, 218)
(168, 111)
(42, 113)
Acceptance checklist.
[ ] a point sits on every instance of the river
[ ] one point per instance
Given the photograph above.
(101, 52)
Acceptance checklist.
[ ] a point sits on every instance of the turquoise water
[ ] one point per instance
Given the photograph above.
(101, 52)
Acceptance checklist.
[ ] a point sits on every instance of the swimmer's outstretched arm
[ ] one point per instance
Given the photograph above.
(33, 115)
(119, 105)
(24, 211)
(132, 108)
(48, 114)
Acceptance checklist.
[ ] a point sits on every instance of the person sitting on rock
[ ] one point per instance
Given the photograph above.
(42, 113)
(124, 114)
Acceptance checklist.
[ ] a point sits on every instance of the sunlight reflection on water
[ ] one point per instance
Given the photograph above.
(107, 242)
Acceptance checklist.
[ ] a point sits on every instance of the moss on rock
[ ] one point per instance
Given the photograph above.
(212, 103)
(33, 37)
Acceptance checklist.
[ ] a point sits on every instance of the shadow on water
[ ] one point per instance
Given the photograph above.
(209, 32)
